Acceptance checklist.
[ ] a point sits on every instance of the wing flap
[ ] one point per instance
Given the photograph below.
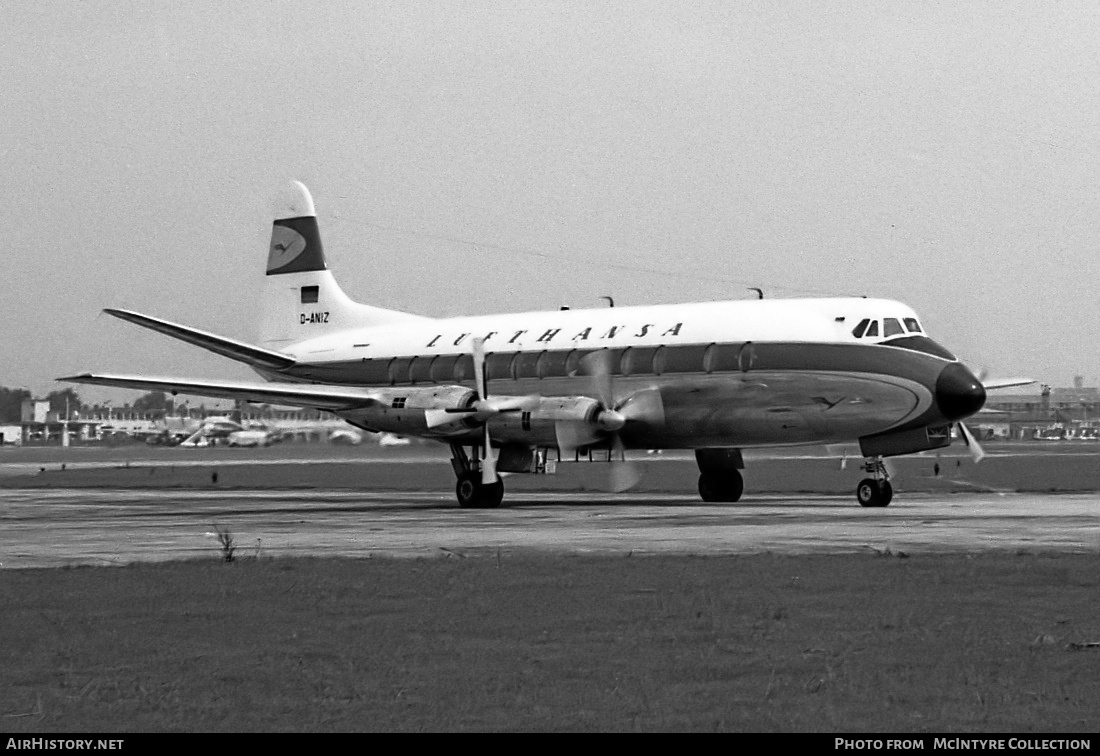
(231, 348)
(331, 398)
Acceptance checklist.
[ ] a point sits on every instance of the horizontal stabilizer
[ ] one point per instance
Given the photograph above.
(231, 348)
(290, 394)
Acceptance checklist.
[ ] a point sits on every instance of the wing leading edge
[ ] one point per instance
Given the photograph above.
(332, 398)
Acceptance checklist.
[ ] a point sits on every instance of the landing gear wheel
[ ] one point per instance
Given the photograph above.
(874, 493)
(467, 490)
(492, 495)
(886, 491)
(473, 494)
(726, 487)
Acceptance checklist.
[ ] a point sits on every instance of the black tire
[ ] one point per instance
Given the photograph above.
(473, 494)
(872, 493)
(726, 487)
(887, 492)
(492, 495)
(468, 490)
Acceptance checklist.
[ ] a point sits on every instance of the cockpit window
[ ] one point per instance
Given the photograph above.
(872, 330)
(913, 325)
(859, 329)
(891, 327)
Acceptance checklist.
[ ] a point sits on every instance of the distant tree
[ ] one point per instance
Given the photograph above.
(64, 400)
(156, 402)
(11, 404)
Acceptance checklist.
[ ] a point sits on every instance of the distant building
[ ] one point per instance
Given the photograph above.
(34, 411)
(1045, 412)
(11, 434)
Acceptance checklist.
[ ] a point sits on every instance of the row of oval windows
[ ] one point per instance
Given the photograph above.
(629, 361)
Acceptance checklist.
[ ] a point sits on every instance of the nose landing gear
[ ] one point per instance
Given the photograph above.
(875, 491)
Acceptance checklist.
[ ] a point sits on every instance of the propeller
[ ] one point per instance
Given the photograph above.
(482, 410)
(611, 417)
(976, 451)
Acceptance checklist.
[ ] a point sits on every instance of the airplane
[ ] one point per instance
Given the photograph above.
(507, 391)
(217, 429)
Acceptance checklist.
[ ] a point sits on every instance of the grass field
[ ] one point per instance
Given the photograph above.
(872, 643)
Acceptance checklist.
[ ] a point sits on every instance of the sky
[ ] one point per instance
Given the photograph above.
(472, 157)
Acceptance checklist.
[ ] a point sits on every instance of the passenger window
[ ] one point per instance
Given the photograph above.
(552, 364)
(443, 368)
(891, 327)
(912, 325)
(638, 360)
(872, 330)
(421, 369)
(498, 366)
(399, 370)
(723, 357)
(859, 329)
(373, 372)
(573, 362)
(526, 365)
(464, 368)
(683, 359)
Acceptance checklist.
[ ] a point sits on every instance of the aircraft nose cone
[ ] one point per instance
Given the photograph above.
(959, 393)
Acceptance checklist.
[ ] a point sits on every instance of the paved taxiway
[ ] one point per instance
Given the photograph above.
(46, 528)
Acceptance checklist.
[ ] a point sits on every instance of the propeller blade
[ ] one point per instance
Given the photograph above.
(976, 450)
(622, 475)
(478, 346)
(437, 417)
(598, 366)
(573, 434)
(488, 460)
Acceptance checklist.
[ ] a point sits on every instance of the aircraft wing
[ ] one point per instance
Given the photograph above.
(1000, 383)
(231, 348)
(290, 394)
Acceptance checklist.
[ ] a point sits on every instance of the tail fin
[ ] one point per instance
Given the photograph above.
(301, 299)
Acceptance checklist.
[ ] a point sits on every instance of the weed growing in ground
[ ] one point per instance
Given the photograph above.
(225, 538)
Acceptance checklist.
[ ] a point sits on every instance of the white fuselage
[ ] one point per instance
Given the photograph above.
(740, 373)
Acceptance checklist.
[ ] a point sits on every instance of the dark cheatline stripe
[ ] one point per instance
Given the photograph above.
(921, 344)
(875, 359)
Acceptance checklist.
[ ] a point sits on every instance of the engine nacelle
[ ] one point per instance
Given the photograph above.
(401, 410)
(906, 442)
(539, 426)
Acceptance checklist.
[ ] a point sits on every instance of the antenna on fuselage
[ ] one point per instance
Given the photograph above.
(610, 301)
(759, 292)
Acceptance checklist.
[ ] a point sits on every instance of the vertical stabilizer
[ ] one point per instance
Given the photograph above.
(301, 299)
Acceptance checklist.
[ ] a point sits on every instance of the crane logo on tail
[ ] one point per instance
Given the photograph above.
(286, 245)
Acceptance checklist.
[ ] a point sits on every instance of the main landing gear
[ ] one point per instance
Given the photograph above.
(726, 487)
(720, 474)
(471, 492)
(875, 491)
